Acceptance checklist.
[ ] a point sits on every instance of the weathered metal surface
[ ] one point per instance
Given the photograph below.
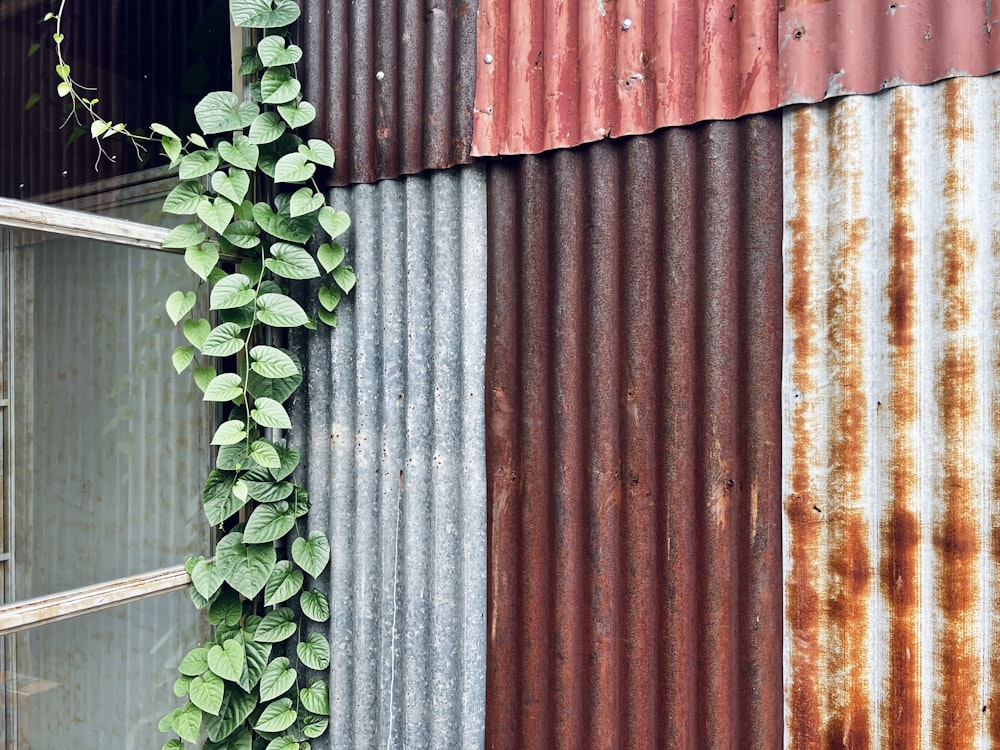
(560, 74)
(633, 428)
(892, 414)
(390, 422)
(858, 46)
(393, 83)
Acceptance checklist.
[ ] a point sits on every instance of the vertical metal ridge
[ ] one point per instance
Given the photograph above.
(391, 427)
(890, 418)
(632, 442)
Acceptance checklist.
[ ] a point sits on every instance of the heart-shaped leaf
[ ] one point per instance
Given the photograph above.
(194, 663)
(280, 311)
(293, 168)
(276, 626)
(313, 726)
(240, 153)
(227, 660)
(316, 697)
(284, 583)
(266, 128)
(182, 358)
(235, 710)
(313, 651)
(196, 331)
(291, 262)
(257, 656)
(233, 186)
(269, 522)
(184, 198)
(229, 433)
(312, 553)
(345, 277)
(289, 460)
(272, 363)
(329, 298)
(226, 610)
(297, 115)
(261, 14)
(181, 686)
(318, 151)
(243, 234)
(264, 454)
(305, 201)
(206, 693)
(223, 341)
(277, 717)
(202, 258)
(185, 235)
(272, 51)
(334, 222)
(330, 256)
(235, 290)
(198, 164)
(180, 304)
(203, 375)
(219, 501)
(315, 606)
(224, 387)
(279, 86)
(246, 567)
(278, 677)
(217, 214)
(283, 226)
(206, 578)
(222, 111)
(187, 722)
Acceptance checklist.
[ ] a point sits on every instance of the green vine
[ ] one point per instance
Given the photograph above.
(258, 683)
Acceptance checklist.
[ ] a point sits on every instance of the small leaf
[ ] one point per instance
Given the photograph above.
(345, 277)
(227, 660)
(327, 317)
(226, 610)
(272, 51)
(291, 262)
(269, 522)
(277, 625)
(316, 697)
(221, 111)
(258, 14)
(264, 454)
(269, 413)
(278, 677)
(217, 214)
(313, 651)
(318, 151)
(184, 198)
(334, 222)
(229, 433)
(202, 258)
(203, 375)
(330, 256)
(164, 725)
(246, 567)
(313, 726)
(196, 331)
(329, 298)
(312, 553)
(278, 86)
(182, 358)
(198, 164)
(240, 153)
(99, 128)
(185, 235)
(65, 89)
(280, 311)
(315, 606)
(242, 234)
(305, 201)
(233, 186)
(293, 168)
(172, 149)
(180, 304)
(164, 131)
(284, 583)
(224, 387)
(197, 140)
(283, 743)
(181, 686)
(223, 341)
(194, 663)
(272, 363)
(187, 723)
(236, 290)
(297, 115)
(206, 578)
(277, 717)
(207, 692)
(266, 128)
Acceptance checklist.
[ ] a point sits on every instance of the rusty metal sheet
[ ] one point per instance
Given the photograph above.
(392, 82)
(559, 74)
(859, 46)
(891, 465)
(633, 431)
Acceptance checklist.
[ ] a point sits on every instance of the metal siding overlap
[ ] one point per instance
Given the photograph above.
(390, 422)
(393, 83)
(556, 75)
(892, 413)
(632, 446)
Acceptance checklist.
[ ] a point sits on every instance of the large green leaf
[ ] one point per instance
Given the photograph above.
(280, 311)
(217, 214)
(206, 578)
(264, 14)
(312, 553)
(264, 454)
(222, 111)
(293, 168)
(318, 151)
(316, 697)
(184, 198)
(305, 201)
(237, 706)
(242, 234)
(198, 164)
(279, 389)
(272, 363)
(220, 502)
(233, 186)
(202, 258)
(314, 651)
(297, 115)
(223, 341)
(187, 722)
(269, 522)
(206, 692)
(266, 128)
(334, 222)
(268, 491)
(277, 717)
(257, 656)
(315, 605)
(246, 567)
(282, 225)
(289, 460)
(241, 740)
(234, 457)
(242, 153)
(277, 626)
(291, 262)
(195, 662)
(230, 432)
(180, 304)
(279, 86)
(184, 235)
(196, 331)
(227, 660)
(269, 413)
(272, 51)
(235, 290)
(278, 677)
(226, 610)
(225, 387)
(284, 583)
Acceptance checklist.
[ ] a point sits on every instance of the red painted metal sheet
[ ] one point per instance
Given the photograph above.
(559, 74)
(392, 82)
(859, 46)
(633, 443)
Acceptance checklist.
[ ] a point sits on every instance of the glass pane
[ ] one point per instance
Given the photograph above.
(102, 680)
(110, 445)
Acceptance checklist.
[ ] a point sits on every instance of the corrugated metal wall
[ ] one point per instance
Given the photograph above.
(393, 83)
(391, 421)
(892, 418)
(633, 451)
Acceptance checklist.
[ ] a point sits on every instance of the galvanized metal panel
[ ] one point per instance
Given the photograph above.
(392, 82)
(858, 46)
(552, 75)
(390, 420)
(633, 443)
(892, 413)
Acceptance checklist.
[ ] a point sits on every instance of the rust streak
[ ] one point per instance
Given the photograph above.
(899, 566)
(993, 716)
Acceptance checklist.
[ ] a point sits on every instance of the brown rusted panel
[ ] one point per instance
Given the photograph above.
(633, 446)
(393, 83)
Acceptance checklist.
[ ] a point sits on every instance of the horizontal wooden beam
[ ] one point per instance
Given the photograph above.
(48, 609)
(40, 217)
